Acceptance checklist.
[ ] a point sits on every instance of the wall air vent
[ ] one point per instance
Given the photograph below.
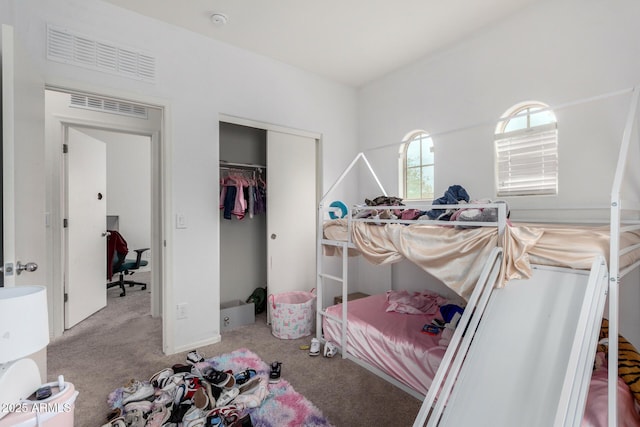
(75, 49)
(109, 106)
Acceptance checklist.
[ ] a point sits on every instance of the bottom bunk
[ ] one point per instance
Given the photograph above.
(390, 341)
(515, 372)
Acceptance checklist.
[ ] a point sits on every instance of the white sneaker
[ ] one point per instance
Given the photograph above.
(137, 391)
(330, 349)
(314, 350)
(194, 357)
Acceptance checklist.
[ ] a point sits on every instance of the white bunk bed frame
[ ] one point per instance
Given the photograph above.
(573, 395)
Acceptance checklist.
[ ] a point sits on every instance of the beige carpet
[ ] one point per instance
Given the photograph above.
(123, 341)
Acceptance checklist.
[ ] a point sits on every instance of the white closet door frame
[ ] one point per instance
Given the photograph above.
(285, 212)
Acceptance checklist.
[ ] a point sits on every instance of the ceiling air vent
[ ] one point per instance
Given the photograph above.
(75, 49)
(109, 106)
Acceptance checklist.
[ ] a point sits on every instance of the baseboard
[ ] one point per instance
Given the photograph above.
(193, 346)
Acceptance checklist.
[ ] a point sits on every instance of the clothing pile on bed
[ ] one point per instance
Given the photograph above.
(455, 195)
(189, 395)
(429, 303)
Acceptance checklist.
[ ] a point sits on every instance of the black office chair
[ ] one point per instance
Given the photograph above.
(117, 251)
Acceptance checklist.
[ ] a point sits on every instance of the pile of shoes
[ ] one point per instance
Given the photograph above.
(189, 395)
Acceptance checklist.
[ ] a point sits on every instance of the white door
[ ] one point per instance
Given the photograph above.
(291, 212)
(86, 273)
(23, 168)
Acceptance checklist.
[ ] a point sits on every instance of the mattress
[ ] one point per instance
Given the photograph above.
(390, 341)
(393, 343)
(456, 256)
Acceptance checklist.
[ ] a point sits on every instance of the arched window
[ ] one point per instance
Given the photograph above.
(526, 144)
(417, 165)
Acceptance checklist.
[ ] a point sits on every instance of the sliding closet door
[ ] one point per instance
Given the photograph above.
(291, 212)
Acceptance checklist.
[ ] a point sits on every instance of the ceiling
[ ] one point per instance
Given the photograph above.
(349, 41)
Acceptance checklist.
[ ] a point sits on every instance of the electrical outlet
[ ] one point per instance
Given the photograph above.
(181, 311)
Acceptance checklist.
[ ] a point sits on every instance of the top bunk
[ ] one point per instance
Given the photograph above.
(588, 216)
(455, 250)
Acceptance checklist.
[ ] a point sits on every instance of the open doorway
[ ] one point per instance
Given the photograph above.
(117, 143)
(107, 197)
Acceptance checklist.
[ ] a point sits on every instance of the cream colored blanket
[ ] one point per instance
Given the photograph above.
(457, 256)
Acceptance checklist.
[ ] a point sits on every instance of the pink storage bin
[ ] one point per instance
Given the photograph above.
(54, 411)
(292, 314)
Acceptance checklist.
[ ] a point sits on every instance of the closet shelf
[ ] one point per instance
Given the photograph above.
(241, 165)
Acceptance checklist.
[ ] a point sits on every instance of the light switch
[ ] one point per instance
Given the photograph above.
(181, 221)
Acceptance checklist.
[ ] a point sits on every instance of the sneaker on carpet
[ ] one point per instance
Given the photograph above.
(244, 376)
(219, 379)
(160, 376)
(178, 413)
(194, 417)
(163, 399)
(249, 385)
(142, 405)
(276, 370)
(169, 384)
(158, 417)
(137, 390)
(227, 396)
(228, 414)
(214, 421)
(200, 399)
(181, 367)
(330, 349)
(194, 357)
(135, 417)
(314, 350)
(253, 399)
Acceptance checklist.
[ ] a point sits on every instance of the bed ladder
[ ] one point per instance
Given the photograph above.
(343, 280)
(485, 378)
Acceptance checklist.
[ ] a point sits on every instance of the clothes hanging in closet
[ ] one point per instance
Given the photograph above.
(242, 194)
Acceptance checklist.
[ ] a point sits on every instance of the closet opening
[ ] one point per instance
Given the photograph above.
(277, 249)
(243, 219)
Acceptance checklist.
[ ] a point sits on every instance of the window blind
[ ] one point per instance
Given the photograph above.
(527, 161)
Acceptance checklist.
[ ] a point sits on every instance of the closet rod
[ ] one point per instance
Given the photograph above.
(241, 165)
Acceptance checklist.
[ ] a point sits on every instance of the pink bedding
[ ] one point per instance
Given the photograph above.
(393, 342)
(595, 413)
(390, 341)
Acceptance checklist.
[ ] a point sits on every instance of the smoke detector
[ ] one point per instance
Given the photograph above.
(219, 19)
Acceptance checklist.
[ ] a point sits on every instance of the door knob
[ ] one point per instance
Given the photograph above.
(30, 266)
(273, 236)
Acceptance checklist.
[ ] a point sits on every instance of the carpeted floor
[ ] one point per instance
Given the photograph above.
(123, 341)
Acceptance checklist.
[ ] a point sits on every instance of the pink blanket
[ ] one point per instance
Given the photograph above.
(390, 341)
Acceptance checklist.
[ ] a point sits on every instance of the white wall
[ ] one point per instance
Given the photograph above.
(199, 78)
(554, 52)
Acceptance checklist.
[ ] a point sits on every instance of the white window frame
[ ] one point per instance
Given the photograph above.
(410, 138)
(526, 159)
